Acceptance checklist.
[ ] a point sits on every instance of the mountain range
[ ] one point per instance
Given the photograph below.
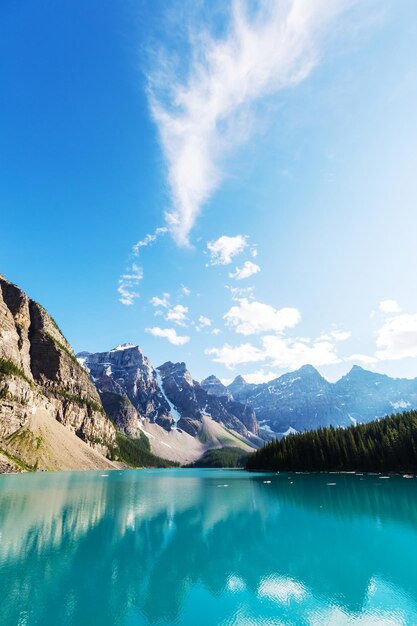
(59, 410)
(304, 400)
(179, 416)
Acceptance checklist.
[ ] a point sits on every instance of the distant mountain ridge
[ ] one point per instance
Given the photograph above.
(304, 400)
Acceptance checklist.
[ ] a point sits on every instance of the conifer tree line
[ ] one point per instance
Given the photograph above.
(387, 444)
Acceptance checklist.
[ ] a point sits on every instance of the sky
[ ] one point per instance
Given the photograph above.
(229, 184)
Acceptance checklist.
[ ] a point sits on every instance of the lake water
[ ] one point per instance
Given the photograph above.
(207, 547)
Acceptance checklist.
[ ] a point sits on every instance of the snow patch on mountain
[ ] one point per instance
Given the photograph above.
(123, 346)
(174, 413)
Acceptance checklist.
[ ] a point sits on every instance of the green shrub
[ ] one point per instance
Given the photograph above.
(9, 368)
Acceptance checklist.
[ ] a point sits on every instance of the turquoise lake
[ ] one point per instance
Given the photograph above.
(206, 547)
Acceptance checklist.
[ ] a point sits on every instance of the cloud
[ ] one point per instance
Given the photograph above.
(365, 359)
(389, 306)
(230, 356)
(336, 335)
(203, 115)
(293, 353)
(168, 333)
(129, 281)
(178, 315)
(185, 291)
(397, 338)
(149, 239)
(248, 269)
(216, 331)
(223, 249)
(238, 293)
(340, 335)
(163, 301)
(281, 352)
(128, 284)
(252, 317)
(204, 321)
(259, 376)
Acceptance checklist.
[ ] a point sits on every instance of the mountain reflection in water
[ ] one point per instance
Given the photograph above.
(206, 547)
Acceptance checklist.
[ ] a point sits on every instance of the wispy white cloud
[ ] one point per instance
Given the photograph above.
(239, 293)
(128, 282)
(204, 321)
(177, 314)
(259, 376)
(168, 333)
(248, 269)
(336, 335)
(162, 301)
(364, 359)
(223, 249)
(185, 291)
(263, 52)
(149, 239)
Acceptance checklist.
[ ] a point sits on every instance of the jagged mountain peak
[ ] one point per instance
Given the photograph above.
(307, 368)
(211, 379)
(238, 380)
(215, 387)
(175, 370)
(359, 373)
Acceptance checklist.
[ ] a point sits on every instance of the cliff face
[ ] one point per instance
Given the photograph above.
(135, 394)
(129, 388)
(193, 402)
(40, 374)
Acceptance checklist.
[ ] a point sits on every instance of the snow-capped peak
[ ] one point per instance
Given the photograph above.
(123, 346)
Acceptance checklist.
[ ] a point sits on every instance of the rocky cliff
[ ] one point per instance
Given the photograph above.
(129, 387)
(40, 378)
(193, 401)
(136, 395)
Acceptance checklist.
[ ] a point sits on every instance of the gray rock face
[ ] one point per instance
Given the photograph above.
(38, 370)
(133, 392)
(193, 401)
(129, 387)
(304, 400)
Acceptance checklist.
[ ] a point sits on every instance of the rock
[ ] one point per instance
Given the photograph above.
(126, 372)
(38, 370)
(134, 393)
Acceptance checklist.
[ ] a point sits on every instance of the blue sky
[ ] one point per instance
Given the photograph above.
(271, 145)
